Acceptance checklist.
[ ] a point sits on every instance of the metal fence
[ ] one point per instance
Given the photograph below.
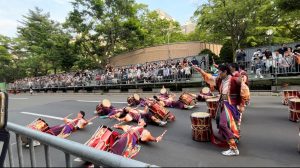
(272, 67)
(97, 157)
(249, 51)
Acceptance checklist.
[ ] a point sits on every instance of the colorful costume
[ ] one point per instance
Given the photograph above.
(135, 100)
(234, 94)
(66, 129)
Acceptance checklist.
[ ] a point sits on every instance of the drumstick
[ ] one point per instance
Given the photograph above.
(69, 115)
(92, 118)
(163, 133)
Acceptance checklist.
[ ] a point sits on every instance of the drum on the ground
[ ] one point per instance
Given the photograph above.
(287, 94)
(212, 105)
(201, 123)
(205, 91)
(188, 99)
(102, 139)
(294, 109)
(106, 103)
(130, 100)
(38, 125)
(159, 111)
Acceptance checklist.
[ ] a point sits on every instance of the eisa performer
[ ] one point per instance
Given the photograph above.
(186, 100)
(129, 114)
(105, 109)
(70, 125)
(234, 94)
(135, 100)
(127, 144)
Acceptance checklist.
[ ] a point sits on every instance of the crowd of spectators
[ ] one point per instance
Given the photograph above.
(282, 61)
(160, 71)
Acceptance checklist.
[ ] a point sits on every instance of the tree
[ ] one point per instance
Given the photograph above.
(46, 43)
(245, 23)
(289, 5)
(104, 27)
(5, 59)
(227, 18)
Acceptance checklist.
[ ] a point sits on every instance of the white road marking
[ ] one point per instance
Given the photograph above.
(78, 160)
(47, 116)
(93, 101)
(15, 98)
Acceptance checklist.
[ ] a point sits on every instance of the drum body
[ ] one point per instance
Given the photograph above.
(212, 105)
(188, 99)
(39, 125)
(159, 111)
(294, 109)
(201, 124)
(205, 91)
(131, 101)
(287, 94)
(102, 139)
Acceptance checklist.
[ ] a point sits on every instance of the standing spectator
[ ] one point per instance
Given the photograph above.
(241, 56)
(257, 54)
(258, 68)
(283, 49)
(195, 61)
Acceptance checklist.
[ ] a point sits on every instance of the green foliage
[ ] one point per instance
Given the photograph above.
(226, 54)
(288, 5)
(212, 56)
(245, 22)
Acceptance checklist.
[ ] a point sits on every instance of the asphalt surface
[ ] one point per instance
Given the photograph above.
(268, 138)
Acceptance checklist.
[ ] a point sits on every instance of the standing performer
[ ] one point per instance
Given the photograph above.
(232, 102)
(127, 144)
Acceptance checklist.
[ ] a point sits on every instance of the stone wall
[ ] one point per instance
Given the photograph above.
(163, 52)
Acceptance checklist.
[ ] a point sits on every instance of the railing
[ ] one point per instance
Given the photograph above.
(119, 78)
(271, 67)
(249, 51)
(97, 157)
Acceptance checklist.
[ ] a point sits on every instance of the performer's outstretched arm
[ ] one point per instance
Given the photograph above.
(207, 77)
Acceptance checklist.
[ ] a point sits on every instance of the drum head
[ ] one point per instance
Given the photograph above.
(205, 90)
(212, 100)
(136, 97)
(106, 103)
(163, 91)
(296, 100)
(200, 114)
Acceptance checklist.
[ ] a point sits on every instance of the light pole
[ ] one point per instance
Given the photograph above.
(168, 36)
(270, 33)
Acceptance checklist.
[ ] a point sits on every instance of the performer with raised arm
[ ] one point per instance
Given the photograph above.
(234, 94)
(127, 144)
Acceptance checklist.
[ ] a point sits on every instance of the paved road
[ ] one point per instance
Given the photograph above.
(268, 137)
